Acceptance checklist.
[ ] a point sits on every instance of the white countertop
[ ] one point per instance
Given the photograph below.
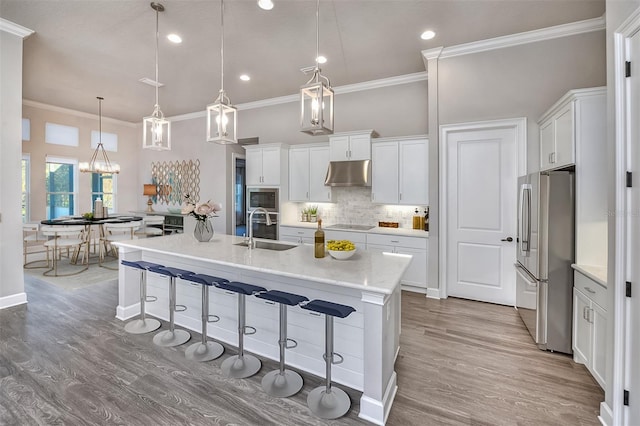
(371, 271)
(376, 230)
(596, 273)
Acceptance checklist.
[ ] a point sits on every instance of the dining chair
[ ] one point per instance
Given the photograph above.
(112, 232)
(33, 243)
(65, 237)
(152, 226)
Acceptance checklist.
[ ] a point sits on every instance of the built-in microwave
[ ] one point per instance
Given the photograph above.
(266, 198)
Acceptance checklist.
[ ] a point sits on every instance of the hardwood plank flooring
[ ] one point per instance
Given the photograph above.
(65, 360)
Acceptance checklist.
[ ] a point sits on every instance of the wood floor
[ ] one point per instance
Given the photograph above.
(65, 359)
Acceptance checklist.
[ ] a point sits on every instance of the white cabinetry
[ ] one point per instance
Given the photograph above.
(267, 164)
(416, 273)
(307, 171)
(569, 122)
(357, 238)
(589, 326)
(400, 171)
(351, 146)
(297, 235)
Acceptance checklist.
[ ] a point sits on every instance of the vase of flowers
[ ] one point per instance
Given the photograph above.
(203, 230)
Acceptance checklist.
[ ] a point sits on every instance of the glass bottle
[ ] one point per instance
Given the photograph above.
(426, 219)
(319, 241)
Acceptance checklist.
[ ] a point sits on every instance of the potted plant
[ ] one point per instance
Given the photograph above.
(304, 215)
(313, 213)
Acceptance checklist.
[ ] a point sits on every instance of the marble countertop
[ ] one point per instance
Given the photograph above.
(376, 230)
(596, 273)
(369, 271)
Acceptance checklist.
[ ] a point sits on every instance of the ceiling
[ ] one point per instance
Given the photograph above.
(87, 48)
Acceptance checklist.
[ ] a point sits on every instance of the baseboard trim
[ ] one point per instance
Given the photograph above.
(378, 411)
(606, 414)
(13, 300)
(124, 313)
(433, 293)
(407, 287)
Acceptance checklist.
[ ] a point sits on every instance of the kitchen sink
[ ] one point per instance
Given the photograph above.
(268, 245)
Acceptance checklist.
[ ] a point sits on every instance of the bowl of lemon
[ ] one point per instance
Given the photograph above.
(341, 249)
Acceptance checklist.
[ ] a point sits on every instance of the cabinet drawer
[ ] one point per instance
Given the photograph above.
(591, 289)
(296, 232)
(397, 240)
(356, 237)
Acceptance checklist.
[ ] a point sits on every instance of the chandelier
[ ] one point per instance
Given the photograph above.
(156, 129)
(99, 162)
(316, 97)
(221, 115)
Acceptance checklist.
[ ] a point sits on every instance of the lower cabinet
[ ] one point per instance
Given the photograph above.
(297, 235)
(590, 326)
(357, 238)
(416, 274)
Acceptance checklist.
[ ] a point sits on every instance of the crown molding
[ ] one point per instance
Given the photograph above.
(15, 29)
(550, 33)
(39, 105)
(432, 53)
(340, 90)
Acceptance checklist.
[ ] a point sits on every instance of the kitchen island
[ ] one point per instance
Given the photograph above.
(369, 281)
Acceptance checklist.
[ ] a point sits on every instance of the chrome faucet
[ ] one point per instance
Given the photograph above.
(250, 243)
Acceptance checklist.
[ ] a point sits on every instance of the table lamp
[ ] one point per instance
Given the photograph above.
(150, 190)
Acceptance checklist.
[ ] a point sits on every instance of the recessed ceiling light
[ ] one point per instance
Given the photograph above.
(265, 4)
(174, 38)
(245, 77)
(321, 59)
(427, 35)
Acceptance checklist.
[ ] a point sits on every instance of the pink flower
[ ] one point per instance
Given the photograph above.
(204, 209)
(216, 207)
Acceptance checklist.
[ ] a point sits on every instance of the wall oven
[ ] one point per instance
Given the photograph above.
(268, 199)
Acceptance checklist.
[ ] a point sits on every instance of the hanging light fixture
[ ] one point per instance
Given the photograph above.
(221, 115)
(99, 161)
(316, 97)
(157, 129)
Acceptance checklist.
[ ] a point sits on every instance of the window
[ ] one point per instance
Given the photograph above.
(61, 181)
(104, 187)
(59, 134)
(26, 167)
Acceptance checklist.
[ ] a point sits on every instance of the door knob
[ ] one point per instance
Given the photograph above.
(509, 239)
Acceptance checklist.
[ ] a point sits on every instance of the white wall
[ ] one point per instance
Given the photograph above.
(11, 274)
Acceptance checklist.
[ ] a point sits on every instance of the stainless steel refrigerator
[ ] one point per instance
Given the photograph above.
(546, 237)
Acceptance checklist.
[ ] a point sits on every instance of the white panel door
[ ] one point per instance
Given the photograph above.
(481, 215)
(384, 172)
(318, 165)
(299, 174)
(581, 328)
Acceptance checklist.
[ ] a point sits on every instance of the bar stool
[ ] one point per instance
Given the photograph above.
(205, 351)
(172, 337)
(282, 383)
(326, 401)
(142, 325)
(242, 365)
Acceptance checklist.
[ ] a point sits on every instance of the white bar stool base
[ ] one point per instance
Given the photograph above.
(328, 405)
(139, 326)
(238, 367)
(282, 385)
(170, 338)
(204, 352)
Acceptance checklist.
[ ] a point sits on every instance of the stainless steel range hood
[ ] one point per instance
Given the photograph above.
(349, 173)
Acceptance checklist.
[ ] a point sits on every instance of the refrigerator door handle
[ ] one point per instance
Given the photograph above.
(525, 219)
(526, 275)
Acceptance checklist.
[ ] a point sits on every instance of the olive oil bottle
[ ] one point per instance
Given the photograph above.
(319, 241)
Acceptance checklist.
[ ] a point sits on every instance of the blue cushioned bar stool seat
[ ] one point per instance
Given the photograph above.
(172, 337)
(282, 382)
(203, 350)
(242, 365)
(143, 324)
(326, 401)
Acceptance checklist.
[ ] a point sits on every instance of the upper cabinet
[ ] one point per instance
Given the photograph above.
(351, 146)
(266, 164)
(400, 170)
(563, 126)
(307, 171)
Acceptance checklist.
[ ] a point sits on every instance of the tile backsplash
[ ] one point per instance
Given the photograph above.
(353, 206)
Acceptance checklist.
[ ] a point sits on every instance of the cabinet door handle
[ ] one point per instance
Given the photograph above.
(307, 195)
(589, 290)
(373, 196)
(401, 196)
(395, 241)
(590, 315)
(584, 313)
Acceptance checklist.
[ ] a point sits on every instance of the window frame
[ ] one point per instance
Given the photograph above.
(62, 160)
(114, 180)
(26, 184)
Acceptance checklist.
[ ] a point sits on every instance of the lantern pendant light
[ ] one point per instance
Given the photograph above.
(316, 97)
(157, 129)
(99, 162)
(221, 115)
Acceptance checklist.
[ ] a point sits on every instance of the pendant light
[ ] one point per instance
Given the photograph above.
(316, 97)
(99, 162)
(157, 130)
(221, 115)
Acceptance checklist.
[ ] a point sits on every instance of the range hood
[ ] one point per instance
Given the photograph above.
(349, 173)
